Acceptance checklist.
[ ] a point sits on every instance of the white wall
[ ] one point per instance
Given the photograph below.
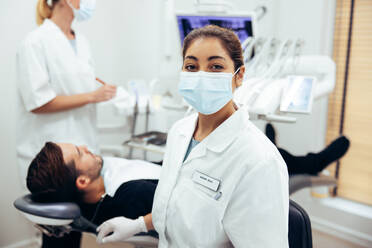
(124, 36)
(128, 41)
(16, 19)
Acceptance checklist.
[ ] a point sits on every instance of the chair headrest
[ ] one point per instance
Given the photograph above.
(56, 210)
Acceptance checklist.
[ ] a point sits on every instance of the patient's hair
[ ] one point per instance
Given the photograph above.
(49, 176)
(228, 39)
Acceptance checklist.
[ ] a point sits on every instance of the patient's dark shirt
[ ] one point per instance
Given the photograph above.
(131, 200)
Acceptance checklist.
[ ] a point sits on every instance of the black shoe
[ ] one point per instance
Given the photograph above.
(333, 152)
(270, 133)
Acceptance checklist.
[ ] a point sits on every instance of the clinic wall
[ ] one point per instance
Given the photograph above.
(16, 20)
(124, 37)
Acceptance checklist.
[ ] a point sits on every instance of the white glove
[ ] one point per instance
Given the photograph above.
(121, 229)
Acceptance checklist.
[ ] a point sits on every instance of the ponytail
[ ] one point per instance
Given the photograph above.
(43, 11)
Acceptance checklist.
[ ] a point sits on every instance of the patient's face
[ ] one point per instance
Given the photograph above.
(86, 162)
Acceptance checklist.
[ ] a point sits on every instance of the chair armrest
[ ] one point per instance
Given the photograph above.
(298, 182)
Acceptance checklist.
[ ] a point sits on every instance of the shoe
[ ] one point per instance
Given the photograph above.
(333, 152)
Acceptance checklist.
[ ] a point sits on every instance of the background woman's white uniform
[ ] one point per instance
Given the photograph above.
(47, 66)
(252, 208)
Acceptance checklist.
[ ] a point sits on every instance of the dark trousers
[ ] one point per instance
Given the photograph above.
(71, 240)
(131, 200)
(300, 164)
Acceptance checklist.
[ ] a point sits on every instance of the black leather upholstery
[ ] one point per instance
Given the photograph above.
(299, 232)
(59, 210)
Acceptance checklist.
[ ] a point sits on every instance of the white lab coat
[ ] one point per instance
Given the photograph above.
(253, 208)
(48, 66)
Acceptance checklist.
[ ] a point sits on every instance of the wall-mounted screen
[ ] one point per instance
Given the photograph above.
(243, 26)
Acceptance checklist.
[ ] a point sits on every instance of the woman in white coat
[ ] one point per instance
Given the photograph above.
(223, 183)
(57, 87)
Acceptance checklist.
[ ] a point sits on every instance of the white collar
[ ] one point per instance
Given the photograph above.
(223, 135)
(49, 24)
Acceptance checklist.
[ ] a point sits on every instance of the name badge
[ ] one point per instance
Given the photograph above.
(206, 181)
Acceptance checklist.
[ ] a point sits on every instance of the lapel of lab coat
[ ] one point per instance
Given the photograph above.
(185, 132)
(227, 132)
(220, 138)
(63, 39)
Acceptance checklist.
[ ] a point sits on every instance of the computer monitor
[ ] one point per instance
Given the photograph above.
(242, 24)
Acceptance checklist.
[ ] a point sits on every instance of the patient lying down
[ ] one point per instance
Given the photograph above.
(103, 187)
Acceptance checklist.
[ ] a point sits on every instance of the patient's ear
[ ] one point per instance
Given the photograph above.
(82, 182)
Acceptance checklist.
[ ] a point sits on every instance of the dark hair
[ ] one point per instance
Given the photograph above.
(227, 37)
(50, 176)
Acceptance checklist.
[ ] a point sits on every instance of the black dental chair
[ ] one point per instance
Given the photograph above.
(299, 231)
(60, 218)
(57, 219)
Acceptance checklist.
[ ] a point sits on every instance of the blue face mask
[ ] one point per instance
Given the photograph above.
(85, 11)
(206, 92)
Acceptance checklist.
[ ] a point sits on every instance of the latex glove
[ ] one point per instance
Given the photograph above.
(121, 229)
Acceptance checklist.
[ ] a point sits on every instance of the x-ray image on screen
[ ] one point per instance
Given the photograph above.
(242, 26)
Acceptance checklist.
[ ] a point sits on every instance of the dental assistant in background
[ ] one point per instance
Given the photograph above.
(56, 85)
(223, 183)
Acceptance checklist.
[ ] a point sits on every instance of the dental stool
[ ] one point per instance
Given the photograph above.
(60, 218)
